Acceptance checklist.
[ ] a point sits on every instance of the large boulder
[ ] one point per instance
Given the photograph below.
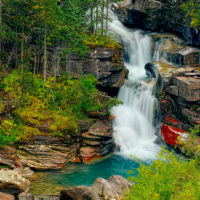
(103, 188)
(79, 193)
(186, 85)
(4, 196)
(12, 182)
(113, 188)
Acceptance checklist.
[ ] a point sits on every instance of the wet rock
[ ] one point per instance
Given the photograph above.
(79, 193)
(171, 134)
(4, 196)
(12, 182)
(97, 142)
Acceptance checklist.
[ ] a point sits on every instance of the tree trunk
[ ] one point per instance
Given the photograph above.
(45, 52)
(107, 9)
(102, 16)
(35, 64)
(97, 15)
(69, 63)
(22, 54)
(0, 29)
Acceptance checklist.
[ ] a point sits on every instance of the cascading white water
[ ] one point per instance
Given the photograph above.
(133, 126)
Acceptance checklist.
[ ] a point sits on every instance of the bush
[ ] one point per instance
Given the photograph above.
(51, 108)
(169, 178)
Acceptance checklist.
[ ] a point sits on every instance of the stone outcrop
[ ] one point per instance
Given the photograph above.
(158, 15)
(181, 98)
(79, 193)
(12, 182)
(105, 64)
(176, 51)
(186, 86)
(45, 153)
(97, 142)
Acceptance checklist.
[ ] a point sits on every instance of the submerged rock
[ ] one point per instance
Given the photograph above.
(79, 193)
(12, 182)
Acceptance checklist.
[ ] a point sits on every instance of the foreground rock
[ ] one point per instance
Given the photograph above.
(111, 189)
(12, 182)
(114, 188)
(79, 193)
(4, 196)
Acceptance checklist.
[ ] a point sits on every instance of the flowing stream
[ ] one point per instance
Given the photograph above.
(134, 132)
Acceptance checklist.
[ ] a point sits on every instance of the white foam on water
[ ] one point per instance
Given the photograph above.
(133, 128)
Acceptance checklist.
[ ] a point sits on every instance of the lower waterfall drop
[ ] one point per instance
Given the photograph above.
(133, 129)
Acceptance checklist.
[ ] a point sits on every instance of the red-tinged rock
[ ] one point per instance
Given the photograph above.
(76, 160)
(170, 134)
(17, 163)
(89, 159)
(111, 117)
(172, 120)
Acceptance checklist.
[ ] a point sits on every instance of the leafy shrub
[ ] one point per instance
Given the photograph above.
(169, 178)
(191, 145)
(8, 132)
(95, 40)
(51, 108)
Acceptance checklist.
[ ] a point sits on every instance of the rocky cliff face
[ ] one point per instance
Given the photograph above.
(158, 15)
(180, 100)
(104, 63)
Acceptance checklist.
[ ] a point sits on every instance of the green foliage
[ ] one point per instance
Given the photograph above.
(191, 145)
(169, 178)
(8, 132)
(191, 8)
(96, 40)
(113, 102)
(53, 107)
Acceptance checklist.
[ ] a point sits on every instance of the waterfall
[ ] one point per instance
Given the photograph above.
(133, 129)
